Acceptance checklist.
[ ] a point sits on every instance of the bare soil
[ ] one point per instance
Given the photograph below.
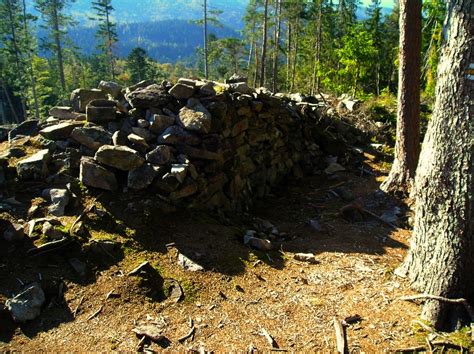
(241, 293)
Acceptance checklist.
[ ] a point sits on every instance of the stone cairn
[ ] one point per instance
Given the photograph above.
(195, 144)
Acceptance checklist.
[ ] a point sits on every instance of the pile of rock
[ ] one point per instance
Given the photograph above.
(197, 143)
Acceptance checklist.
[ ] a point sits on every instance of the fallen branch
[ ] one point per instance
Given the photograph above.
(341, 343)
(95, 313)
(189, 335)
(460, 301)
(74, 313)
(269, 338)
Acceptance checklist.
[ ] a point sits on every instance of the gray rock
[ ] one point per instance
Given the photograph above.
(188, 264)
(138, 140)
(179, 171)
(80, 98)
(143, 123)
(142, 177)
(26, 306)
(120, 157)
(314, 224)
(306, 257)
(144, 133)
(60, 131)
(333, 168)
(51, 232)
(79, 267)
(35, 166)
(257, 243)
(111, 88)
(59, 200)
(150, 96)
(14, 233)
(119, 138)
(159, 123)
(176, 134)
(236, 78)
(242, 88)
(66, 113)
(182, 91)
(188, 82)
(94, 175)
(185, 191)
(161, 155)
(92, 137)
(26, 128)
(101, 111)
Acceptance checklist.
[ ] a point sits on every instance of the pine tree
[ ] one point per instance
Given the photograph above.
(138, 64)
(106, 33)
(374, 26)
(56, 23)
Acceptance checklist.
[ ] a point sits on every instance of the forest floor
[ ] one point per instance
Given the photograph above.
(242, 293)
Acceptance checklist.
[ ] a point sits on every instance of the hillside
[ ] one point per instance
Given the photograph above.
(165, 41)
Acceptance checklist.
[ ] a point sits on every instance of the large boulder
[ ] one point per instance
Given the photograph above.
(195, 117)
(93, 175)
(92, 137)
(80, 98)
(101, 111)
(182, 91)
(35, 166)
(111, 88)
(26, 128)
(60, 131)
(159, 123)
(26, 306)
(150, 96)
(142, 177)
(120, 157)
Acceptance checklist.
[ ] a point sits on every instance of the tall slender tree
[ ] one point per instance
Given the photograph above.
(407, 147)
(440, 261)
(55, 22)
(106, 33)
(264, 44)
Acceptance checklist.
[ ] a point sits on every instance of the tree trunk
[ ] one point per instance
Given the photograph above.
(288, 55)
(295, 59)
(9, 100)
(59, 50)
(206, 50)
(317, 50)
(264, 45)
(109, 44)
(407, 145)
(441, 257)
(277, 46)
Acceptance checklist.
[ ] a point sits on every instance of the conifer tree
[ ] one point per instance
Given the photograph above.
(106, 33)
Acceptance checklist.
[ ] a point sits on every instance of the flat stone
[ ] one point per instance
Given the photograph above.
(60, 131)
(101, 111)
(182, 91)
(179, 171)
(150, 96)
(26, 128)
(138, 140)
(120, 157)
(144, 133)
(159, 123)
(79, 267)
(94, 175)
(188, 264)
(80, 98)
(26, 306)
(92, 137)
(334, 167)
(142, 177)
(176, 134)
(35, 166)
(65, 113)
(195, 117)
(161, 155)
(306, 257)
(149, 331)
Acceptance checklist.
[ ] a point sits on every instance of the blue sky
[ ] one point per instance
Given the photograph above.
(385, 3)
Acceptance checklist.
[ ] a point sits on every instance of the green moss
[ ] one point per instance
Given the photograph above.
(462, 338)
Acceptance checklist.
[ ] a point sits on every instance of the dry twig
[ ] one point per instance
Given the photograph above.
(95, 313)
(460, 301)
(341, 343)
(74, 313)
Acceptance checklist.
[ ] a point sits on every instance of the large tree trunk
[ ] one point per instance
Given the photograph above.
(407, 145)
(264, 45)
(441, 257)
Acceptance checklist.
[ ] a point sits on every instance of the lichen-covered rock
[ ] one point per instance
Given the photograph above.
(93, 175)
(65, 113)
(111, 88)
(35, 166)
(176, 134)
(26, 128)
(150, 96)
(120, 157)
(60, 131)
(92, 137)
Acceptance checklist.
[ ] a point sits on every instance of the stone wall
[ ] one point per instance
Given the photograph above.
(195, 143)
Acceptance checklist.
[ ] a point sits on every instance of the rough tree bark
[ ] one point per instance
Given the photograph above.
(264, 45)
(441, 257)
(407, 146)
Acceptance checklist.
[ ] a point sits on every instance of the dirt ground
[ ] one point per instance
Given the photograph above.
(241, 294)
